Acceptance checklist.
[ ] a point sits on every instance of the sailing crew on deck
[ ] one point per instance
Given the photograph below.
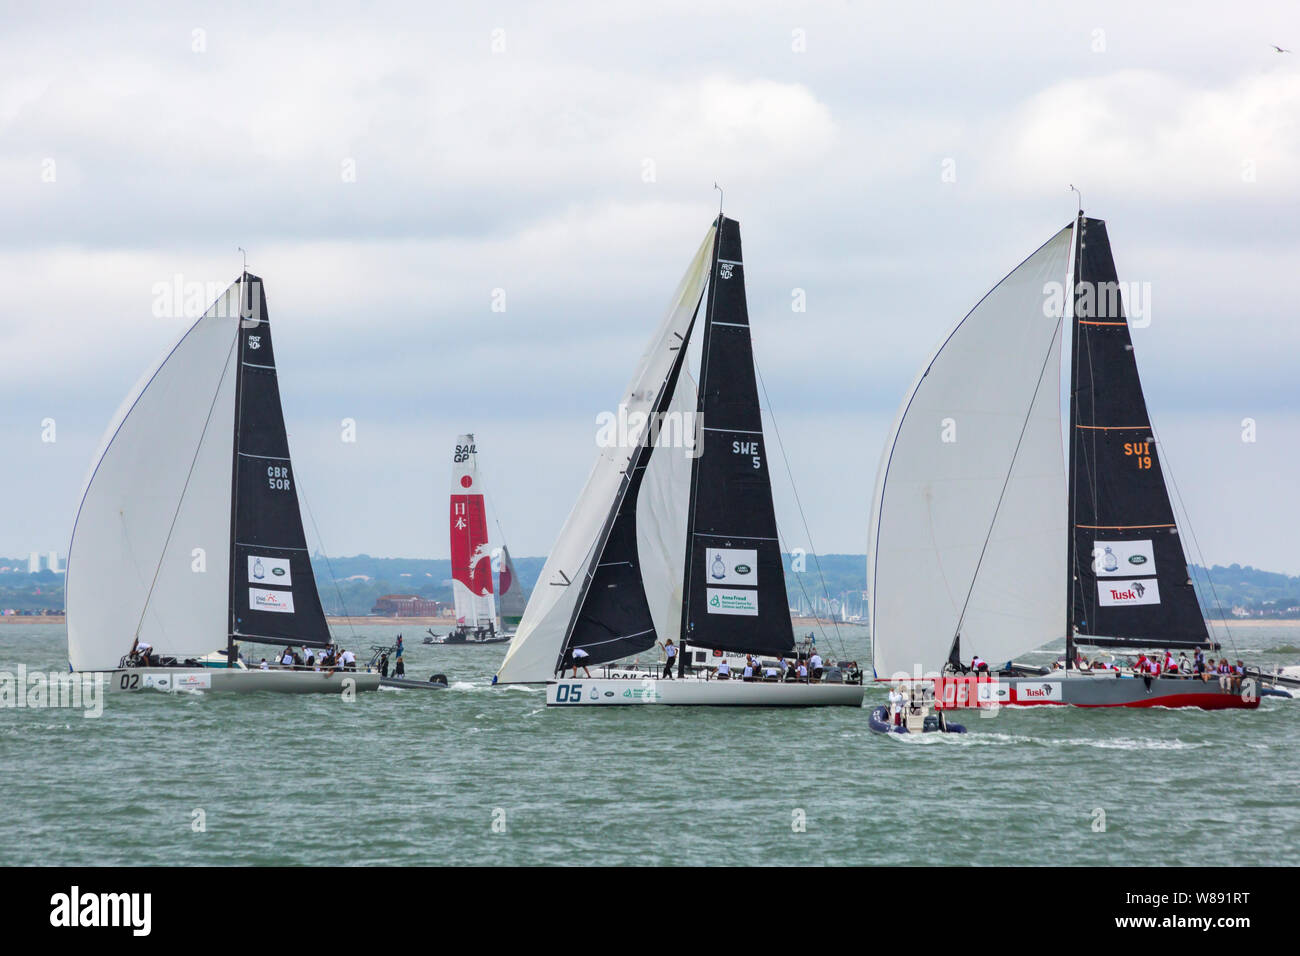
(264, 665)
(748, 673)
(140, 651)
(803, 672)
(580, 660)
(286, 659)
(1201, 669)
(815, 664)
(724, 670)
(791, 671)
(671, 650)
(978, 666)
(349, 661)
(1184, 665)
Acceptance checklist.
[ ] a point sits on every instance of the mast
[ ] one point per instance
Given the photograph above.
(1070, 284)
(695, 471)
(245, 311)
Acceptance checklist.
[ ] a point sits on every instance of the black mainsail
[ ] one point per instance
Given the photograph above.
(273, 596)
(1128, 578)
(734, 592)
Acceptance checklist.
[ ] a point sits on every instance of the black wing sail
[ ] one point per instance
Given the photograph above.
(612, 619)
(273, 597)
(735, 597)
(1129, 582)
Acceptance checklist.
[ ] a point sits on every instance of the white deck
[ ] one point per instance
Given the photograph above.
(238, 681)
(695, 691)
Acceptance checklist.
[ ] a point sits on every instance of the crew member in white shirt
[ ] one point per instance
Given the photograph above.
(815, 663)
(671, 650)
(724, 670)
(580, 660)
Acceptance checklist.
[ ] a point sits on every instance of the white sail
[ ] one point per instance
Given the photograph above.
(537, 644)
(661, 512)
(511, 592)
(150, 551)
(981, 425)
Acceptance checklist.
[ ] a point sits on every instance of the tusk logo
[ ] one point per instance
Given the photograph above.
(1139, 588)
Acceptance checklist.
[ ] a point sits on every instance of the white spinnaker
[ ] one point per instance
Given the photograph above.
(942, 474)
(151, 543)
(661, 509)
(538, 642)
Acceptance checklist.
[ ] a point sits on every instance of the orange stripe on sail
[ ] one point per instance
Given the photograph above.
(1114, 428)
(1083, 322)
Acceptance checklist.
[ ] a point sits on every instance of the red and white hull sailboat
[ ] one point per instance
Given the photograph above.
(988, 540)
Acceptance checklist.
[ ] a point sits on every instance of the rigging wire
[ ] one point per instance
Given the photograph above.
(162, 555)
(302, 496)
(1168, 468)
(802, 517)
(1024, 426)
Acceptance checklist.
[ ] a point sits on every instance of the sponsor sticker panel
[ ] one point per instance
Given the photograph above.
(1123, 558)
(277, 602)
(725, 601)
(1131, 592)
(731, 566)
(1038, 692)
(267, 570)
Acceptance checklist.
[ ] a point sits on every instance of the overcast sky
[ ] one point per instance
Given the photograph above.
(387, 166)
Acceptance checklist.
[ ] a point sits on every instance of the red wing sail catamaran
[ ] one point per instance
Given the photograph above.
(675, 545)
(477, 620)
(982, 546)
(189, 537)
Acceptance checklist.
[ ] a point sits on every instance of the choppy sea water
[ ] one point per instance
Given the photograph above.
(482, 775)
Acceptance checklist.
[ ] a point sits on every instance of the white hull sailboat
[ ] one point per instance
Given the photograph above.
(673, 540)
(983, 546)
(239, 680)
(189, 538)
(699, 691)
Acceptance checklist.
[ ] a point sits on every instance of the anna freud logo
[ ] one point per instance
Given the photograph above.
(75, 909)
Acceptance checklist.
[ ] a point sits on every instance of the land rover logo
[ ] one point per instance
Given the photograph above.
(609, 693)
(1137, 559)
(278, 572)
(742, 569)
